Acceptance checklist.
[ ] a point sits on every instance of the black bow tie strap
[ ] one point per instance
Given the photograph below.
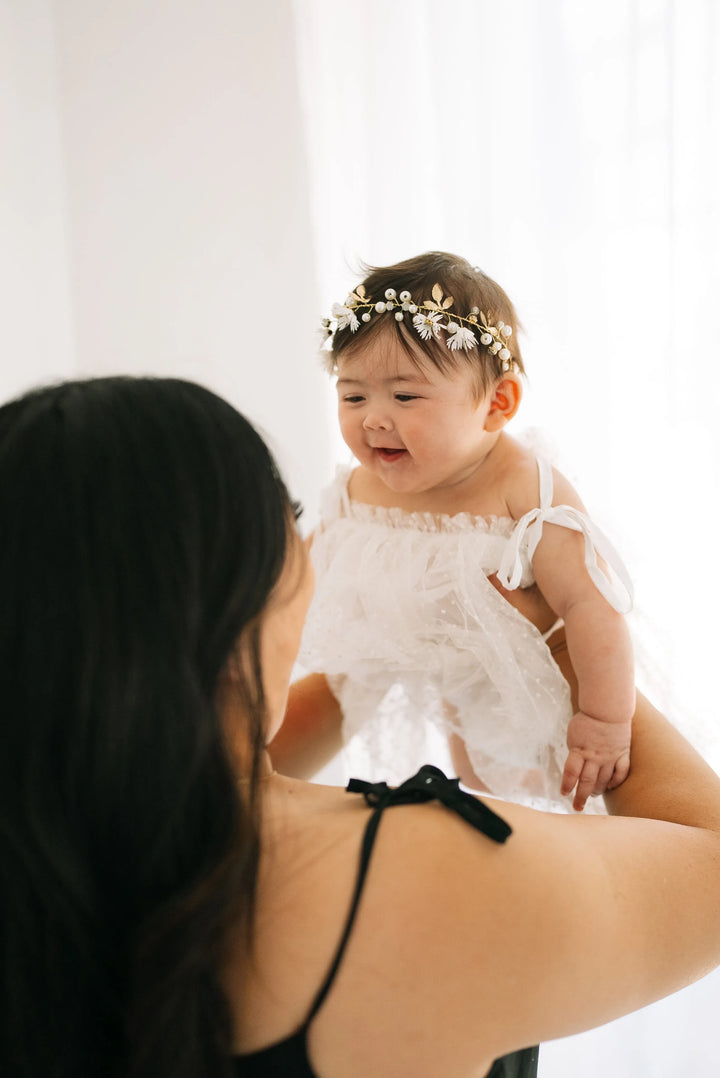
(430, 784)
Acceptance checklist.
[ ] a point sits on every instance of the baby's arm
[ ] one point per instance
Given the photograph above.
(599, 732)
(600, 650)
(310, 734)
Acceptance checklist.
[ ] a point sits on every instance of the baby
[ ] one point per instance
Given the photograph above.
(422, 545)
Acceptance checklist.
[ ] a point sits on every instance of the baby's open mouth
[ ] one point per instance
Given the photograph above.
(390, 454)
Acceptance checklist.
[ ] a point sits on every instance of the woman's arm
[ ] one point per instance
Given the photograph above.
(575, 921)
(621, 911)
(669, 780)
(310, 734)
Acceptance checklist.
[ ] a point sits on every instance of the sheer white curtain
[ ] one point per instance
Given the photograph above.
(573, 151)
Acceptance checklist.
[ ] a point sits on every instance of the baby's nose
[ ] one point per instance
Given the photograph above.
(376, 419)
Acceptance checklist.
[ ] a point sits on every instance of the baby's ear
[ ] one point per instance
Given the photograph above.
(505, 400)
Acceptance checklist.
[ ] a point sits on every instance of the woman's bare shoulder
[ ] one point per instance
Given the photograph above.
(395, 964)
(463, 949)
(519, 476)
(494, 947)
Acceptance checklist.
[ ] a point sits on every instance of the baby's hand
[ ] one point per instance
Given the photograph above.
(599, 757)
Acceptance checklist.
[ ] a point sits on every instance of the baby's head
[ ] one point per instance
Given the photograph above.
(441, 309)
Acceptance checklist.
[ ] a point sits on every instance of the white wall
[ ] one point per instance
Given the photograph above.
(171, 235)
(36, 341)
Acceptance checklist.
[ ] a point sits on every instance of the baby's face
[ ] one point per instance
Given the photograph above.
(415, 427)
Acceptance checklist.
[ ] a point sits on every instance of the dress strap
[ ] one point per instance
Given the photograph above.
(427, 785)
(528, 531)
(335, 500)
(547, 487)
(431, 784)
(342, 482)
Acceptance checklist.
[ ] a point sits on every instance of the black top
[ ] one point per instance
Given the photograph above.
(289, 1058)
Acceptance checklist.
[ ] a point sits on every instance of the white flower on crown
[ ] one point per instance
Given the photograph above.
(345, 317)
(427, 324)
(427, 321)
(462, 337)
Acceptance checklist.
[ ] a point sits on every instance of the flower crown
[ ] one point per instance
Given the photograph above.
(427, 320)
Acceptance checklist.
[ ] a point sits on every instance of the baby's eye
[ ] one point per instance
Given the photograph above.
(406, 397)
(353, 398)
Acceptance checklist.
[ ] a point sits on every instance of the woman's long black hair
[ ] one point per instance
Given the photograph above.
(143, 525)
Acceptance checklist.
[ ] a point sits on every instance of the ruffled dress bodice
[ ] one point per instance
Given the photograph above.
(418, 645)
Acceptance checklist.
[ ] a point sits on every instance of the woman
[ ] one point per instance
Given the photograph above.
(169, 905)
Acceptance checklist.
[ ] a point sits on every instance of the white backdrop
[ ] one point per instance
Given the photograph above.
(186, 186)
(573, 151)
(155, 207)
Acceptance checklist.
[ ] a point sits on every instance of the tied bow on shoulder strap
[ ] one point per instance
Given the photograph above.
(430, 784)
(619, 593)
(427, 785)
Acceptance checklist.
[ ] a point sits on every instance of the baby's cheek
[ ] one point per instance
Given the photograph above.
(349, 431)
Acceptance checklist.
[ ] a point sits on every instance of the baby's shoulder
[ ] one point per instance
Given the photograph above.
(530, 480)
(362, 486)
(335, 495)
(356, 483)
(352, 486)
(518, 478)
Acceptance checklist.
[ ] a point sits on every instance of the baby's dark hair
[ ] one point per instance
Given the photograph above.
(468, 286)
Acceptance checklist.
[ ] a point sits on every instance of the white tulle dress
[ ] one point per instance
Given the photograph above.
(418, 645)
